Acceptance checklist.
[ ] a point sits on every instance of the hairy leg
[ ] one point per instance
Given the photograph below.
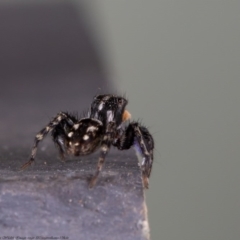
(40, 136)
(144, 145)
(105, 146)
(60, 149)
(139, 137)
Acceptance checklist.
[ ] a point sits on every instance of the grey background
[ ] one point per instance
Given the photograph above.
(178, 63)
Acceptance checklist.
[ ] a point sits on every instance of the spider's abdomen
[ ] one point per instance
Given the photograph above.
(84, 137)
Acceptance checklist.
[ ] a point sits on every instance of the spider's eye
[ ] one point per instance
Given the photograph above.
(120, 101)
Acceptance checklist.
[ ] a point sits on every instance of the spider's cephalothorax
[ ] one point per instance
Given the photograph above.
(108, 108)
(108, 124)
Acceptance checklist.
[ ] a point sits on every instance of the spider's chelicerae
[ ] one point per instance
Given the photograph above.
(108, 124)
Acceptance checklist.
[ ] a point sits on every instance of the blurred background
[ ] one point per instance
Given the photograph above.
(178, 62)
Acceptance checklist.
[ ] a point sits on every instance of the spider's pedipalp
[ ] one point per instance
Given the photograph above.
(126, 116)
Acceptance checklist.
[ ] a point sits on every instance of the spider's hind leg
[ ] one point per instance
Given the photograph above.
(59, 135)
(42, 134)
(60, 148)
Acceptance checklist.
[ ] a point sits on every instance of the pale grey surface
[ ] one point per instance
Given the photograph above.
(179, 64)
(52, 198)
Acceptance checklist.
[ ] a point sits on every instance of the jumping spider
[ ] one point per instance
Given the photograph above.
(108, 123)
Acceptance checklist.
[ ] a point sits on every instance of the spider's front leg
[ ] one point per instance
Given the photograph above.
(105, 146)
(139, 137)
(144, 144)
(40, 136)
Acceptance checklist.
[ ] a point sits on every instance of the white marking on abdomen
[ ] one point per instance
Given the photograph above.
(85, 137)
(70, 134)
(76, 126)
(92, 129)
